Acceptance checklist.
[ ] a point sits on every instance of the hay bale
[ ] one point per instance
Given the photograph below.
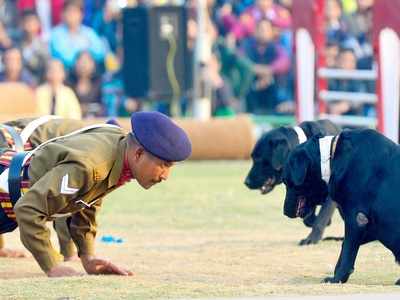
(220, 138)
(16, 100)
(228, 138)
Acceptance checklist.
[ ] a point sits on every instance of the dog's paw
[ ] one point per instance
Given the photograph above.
(305, 242)
(313, 238)
(330, 280)
(309, 241)
(397, 282)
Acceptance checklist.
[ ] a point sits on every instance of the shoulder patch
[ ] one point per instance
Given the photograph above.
(65, 189)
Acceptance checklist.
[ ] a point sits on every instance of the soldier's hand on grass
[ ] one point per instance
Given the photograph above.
(62, 271)
(97, 266)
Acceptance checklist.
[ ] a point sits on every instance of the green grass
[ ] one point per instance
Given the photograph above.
(203, 234)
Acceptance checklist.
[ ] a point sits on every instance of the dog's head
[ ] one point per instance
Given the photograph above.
(304, 186)
(269, 156)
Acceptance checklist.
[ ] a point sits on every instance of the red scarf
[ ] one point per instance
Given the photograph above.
(126, 174)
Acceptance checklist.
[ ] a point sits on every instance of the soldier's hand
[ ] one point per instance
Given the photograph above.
(97, 266)
(62, 271)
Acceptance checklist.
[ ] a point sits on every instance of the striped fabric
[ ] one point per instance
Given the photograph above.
(5, 201)
(10, 140)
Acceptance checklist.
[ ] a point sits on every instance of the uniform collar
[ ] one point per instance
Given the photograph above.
(116, 169)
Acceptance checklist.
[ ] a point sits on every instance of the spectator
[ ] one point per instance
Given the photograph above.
(272, 65)
(13, 68)
(113, 95)
(91, 7)
(347, 61)
(71, 37)
(360, 27)
(9, 16)
(236, 69)
(336, 28)
(5, 40)
(86, 83)
(331, 54)
(55, 98)
(262, 9)
(49, 13)
(223, 102)
(105, 23)
(360, 21)
(115, 101)
(34, 50)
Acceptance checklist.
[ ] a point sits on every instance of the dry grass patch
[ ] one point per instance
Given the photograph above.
(202, 234)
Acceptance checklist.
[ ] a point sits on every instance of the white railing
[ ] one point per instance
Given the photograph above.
(354, 97)
(344, 120)
(330, 73)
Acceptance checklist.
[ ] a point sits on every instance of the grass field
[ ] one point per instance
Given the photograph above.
(203, 234)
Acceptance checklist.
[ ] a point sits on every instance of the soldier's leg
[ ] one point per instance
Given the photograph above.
(4, 252)
(67, 247)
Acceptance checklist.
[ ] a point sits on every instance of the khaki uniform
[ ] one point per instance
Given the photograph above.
(50, 129)
(44, 132)
(69, 176)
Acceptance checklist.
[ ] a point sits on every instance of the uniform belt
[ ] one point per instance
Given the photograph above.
(14, 177)
(18, 144)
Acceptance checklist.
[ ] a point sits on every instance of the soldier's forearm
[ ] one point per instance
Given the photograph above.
(83, 229)
(36, 237)
(84, 243)
(67, 247)
(83, 233)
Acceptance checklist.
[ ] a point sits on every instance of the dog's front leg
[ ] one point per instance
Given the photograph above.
(348, 254)
(321, 221)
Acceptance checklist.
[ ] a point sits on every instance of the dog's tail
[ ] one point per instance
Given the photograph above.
(333, 238)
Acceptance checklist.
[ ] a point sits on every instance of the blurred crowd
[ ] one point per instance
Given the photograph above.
(254, 47)
(70, 52)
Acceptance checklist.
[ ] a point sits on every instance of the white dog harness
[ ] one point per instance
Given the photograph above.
(327, 151)
(300, 134)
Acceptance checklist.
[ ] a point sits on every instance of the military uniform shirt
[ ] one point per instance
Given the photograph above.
(69, 175)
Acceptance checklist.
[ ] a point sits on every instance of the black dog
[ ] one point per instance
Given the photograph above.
(269, 156)
(360, 170)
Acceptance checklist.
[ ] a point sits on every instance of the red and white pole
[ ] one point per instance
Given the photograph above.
(386, 29)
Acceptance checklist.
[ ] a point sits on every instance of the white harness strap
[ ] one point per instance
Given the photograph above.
(31, 127)
(4, 181)
(325, 153)
(4, 175)
(70, 134)
(300, 134)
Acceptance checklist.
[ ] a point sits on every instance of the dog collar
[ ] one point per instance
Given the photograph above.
(325, 153)
(300, 134)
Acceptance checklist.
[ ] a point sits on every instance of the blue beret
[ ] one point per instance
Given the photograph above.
(160, 136)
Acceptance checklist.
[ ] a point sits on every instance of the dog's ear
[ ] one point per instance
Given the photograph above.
(280, 152)
(298, 163)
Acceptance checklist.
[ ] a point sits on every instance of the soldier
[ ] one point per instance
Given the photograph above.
(24, 135)
(70, 175)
